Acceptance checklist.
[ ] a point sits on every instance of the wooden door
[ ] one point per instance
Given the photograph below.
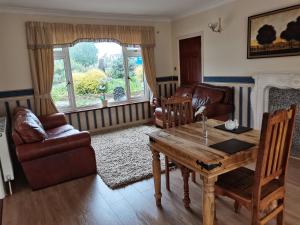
(190, 60)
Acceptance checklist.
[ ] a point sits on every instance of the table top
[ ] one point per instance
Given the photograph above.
(187, 142)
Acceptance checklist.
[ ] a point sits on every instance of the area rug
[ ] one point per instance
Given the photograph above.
(123, 156)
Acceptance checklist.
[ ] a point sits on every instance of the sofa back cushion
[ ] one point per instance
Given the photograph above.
(186, 91)
(28, 126)
(202, 92)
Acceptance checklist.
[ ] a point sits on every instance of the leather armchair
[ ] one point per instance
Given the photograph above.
(51, 151)
(218, 101)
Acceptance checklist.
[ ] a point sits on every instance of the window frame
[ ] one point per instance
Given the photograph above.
(127, 53)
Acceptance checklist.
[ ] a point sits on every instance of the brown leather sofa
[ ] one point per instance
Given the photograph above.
(51, 151)
(219, 101)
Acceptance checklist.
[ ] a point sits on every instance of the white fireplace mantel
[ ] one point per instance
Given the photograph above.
(260, 92)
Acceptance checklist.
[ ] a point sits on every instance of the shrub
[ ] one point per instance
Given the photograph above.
(59, 92)
(89, 82)
(119, 93)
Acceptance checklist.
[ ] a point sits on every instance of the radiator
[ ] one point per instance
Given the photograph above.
(5, 159)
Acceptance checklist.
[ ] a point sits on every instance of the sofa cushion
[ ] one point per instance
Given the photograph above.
(158, 113)
(28, 126)
(214, 95)
(24, 111)
(184, 91)
(61, 131)
(198, 102)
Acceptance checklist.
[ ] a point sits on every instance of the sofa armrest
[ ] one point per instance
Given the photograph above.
(156, 102)
(47, 147)
(216, 109)
(53, 120)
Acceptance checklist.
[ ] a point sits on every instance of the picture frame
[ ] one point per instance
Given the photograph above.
(274, 34)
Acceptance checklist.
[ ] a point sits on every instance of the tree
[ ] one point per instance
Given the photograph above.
(84, 53)
(59, 72)
(115, 67)
(292, 31)
(131, 66)
(266, 35)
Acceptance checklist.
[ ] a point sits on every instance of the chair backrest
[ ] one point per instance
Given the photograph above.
(176, 111)
(275, 145)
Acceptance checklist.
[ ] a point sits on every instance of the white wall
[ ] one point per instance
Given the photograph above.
(14, 62)
(225, 54)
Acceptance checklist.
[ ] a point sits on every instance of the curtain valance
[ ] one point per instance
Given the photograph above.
(45, 35)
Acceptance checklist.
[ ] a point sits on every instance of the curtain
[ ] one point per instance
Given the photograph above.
(42, 37)
(149, 67)
(42, 70)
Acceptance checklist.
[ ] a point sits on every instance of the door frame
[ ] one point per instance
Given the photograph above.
(190, 35)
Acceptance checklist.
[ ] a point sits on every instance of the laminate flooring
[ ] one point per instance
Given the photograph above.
(88, 201)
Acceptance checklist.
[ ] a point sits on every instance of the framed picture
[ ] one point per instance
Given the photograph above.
(274, 34)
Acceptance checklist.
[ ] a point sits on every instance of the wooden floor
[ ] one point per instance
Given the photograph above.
(88, 201)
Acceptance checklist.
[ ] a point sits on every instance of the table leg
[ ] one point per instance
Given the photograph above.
(208, 198)
(157, 176)
(185, 175)
(167, 172)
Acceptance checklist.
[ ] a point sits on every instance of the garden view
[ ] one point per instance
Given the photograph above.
(98, 72)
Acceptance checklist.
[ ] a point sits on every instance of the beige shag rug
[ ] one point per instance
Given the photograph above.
(123, 156)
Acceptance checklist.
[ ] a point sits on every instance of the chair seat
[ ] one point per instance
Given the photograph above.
(239, 184)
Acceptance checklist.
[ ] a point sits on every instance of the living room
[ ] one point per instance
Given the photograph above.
(98, 76)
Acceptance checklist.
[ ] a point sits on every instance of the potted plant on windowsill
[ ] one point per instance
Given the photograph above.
(102, 90)
(103, 100)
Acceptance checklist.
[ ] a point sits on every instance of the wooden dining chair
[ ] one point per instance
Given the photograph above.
(177, 111)
(263, 191)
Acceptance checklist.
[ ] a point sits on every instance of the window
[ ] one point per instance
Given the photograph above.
(88, 72)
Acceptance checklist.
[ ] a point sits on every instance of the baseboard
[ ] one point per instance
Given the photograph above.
(294, 157)
(116, 127)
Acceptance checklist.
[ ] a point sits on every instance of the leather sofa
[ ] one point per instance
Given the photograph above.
(51, 151)
(219, 101)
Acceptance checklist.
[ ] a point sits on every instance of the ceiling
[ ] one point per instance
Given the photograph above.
(169, 9)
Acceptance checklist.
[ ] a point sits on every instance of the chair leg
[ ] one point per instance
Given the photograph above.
(194, 176)
(237, 207)
(255, 216)
(280, 216)
(185, 174)
(167, 172)
(215, 217)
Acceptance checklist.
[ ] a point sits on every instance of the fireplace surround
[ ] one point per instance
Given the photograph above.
(285, 90)
(260, 92)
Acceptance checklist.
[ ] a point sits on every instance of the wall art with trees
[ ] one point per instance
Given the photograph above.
(275, 33)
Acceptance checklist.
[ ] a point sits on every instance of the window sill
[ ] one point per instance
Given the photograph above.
(110, 105)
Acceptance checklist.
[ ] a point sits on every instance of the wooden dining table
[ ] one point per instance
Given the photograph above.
(187, 146)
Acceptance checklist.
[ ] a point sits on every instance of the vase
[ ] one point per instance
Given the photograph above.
(104, 103)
